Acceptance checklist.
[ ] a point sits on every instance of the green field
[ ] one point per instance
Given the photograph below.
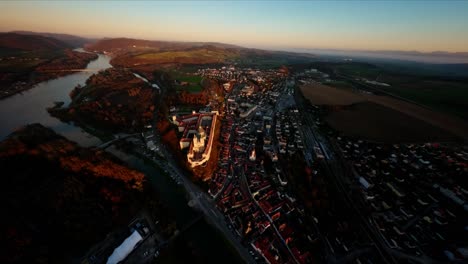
(189, 78)
(196, 88)
(194, 81)
(359, 70)
(340, 84)
(262, 62)
(441, 94)
(191, 88)
(449, 97)
(188, 68)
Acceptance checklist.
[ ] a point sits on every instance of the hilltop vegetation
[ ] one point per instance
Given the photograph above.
(14, 42)
(125, 44)
(135, 53)
(200, 55)
(113, 99)
(71, 40)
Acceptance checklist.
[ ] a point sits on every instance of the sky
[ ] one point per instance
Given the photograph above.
(351, 25)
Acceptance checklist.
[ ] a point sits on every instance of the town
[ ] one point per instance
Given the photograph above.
(288, 188)
(259, 132)
(264, 126)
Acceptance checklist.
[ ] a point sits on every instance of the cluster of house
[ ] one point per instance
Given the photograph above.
(417, 194)
(254, 79)
(305, 76)
(287, 131)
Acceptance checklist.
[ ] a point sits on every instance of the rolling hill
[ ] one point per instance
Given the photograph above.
(71, 40)
(22, 42)
(119, 44)
(136, 52)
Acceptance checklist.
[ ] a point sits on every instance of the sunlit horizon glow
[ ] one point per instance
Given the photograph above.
(380, 25)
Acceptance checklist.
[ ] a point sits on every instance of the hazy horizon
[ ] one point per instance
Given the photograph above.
(397, 26)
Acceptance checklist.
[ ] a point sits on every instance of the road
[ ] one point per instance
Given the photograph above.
(197, 196)
(206, 205)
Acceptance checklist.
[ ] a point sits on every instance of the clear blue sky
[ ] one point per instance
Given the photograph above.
(375, 25)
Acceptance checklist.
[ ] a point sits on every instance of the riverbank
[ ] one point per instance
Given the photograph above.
(26, 77)
(171, 194)
(114, 99)
(209, 242)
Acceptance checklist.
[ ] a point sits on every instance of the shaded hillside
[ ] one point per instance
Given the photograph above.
(194, 55)
(26, 60)
(65, 199)
(59, 66)
(71, 40)
(116, 44)
(112, 99)
(136, 53)
(22, 42)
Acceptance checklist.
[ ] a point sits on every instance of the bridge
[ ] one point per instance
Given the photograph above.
(116, 138)
(73, 70)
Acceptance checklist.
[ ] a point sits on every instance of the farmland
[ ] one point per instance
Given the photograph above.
(418, 84)
(379, 123)
(191, 56)
(383, 118)
(186, 82)
(320, 94)
(447, 96)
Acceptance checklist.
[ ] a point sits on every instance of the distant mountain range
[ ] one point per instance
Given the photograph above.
(416, 56)
(110, 44)
(438, 63)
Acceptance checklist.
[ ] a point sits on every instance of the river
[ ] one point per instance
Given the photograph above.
(30, 106)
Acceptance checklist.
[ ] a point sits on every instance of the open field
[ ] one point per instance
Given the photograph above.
(381, 117)
(447, 96)
(320, 94)
(193, 81)
(190, 88)
(380, 123)
(360, 69)
(442, 88)
(189, 78)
